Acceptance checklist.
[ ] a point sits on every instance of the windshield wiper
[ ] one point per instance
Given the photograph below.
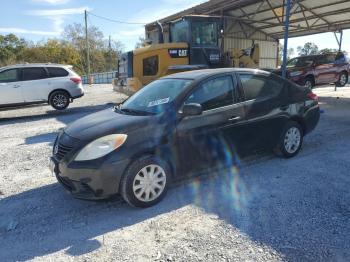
(135, 111)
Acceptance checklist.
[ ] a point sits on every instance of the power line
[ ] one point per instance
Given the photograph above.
(115, 21)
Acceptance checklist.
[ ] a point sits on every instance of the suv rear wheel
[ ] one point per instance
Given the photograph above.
(59, 100)
(291, 140)
(343, 79)
(145, 182)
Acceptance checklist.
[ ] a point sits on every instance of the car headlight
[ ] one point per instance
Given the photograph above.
(101, 147)
(296, 73)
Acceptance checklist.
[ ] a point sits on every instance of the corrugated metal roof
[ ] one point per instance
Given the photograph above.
(267, 16)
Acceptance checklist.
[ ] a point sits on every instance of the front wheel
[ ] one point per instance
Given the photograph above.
(145, 182)
(291, 140)
(59, 100)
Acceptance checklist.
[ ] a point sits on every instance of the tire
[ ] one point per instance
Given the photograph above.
(59, 100)
(343, 80)
(293, 133)
(309, 83)
(131, 188)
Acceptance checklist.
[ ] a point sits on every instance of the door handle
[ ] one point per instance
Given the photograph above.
(234, 119)
(284, 108)
(16, 86)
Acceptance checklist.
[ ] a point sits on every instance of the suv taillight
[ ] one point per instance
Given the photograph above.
(76, 80)
(312, 96)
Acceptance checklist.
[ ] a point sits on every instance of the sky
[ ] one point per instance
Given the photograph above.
(38, 20)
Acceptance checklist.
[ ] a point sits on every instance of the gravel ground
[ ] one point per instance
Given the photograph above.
(267, 209)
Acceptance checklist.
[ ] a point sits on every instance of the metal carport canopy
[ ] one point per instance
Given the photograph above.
(268, 16)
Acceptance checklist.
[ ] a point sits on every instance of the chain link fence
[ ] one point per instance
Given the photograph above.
(100, 78)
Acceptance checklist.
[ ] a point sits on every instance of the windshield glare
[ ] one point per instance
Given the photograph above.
(300, 62)
(156, 96)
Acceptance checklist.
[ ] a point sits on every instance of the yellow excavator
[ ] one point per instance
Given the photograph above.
(246, 58)
(193, 43)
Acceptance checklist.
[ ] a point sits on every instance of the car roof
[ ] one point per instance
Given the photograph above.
(35, 65)
(204, 73)
(318, 55)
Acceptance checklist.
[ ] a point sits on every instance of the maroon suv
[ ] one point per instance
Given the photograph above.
(319, 69)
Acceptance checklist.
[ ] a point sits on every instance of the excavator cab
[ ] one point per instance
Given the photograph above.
(193, 43)
(202, 34)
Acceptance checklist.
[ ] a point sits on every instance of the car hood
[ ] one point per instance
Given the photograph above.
(104, 123)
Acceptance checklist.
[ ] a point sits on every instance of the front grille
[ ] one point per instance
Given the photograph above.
(62, 151)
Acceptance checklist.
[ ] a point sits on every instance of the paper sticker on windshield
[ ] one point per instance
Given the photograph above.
(159, 102)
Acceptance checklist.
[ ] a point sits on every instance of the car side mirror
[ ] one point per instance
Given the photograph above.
(192, 109)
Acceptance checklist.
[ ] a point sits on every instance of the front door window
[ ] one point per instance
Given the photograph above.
(213, 94)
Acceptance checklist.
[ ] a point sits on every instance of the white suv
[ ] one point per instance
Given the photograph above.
(39, 83)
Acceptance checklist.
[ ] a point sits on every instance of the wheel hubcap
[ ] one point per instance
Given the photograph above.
(308, 84)
(149, 183)
(292, 140)
(59, 100)
(343, 79)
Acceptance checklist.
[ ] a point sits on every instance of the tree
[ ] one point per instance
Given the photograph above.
(100, 51)
(52, 51)
(10, 46)
(290, 53)
(331, 50)
(112, 51)
(328, 50)
(308, 49)
(142, 42)
(70, 49)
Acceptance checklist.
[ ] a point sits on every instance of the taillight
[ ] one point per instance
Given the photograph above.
(312, 96)
(76, 80)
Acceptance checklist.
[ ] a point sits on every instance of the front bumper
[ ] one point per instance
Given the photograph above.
(88, 182)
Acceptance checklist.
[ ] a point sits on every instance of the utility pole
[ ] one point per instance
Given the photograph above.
(87, 48)
(110, 53)
(286, 35)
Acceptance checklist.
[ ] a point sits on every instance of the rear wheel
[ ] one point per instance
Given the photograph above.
(59, 100)
(343, 79)
(291, 140)
(145, 182)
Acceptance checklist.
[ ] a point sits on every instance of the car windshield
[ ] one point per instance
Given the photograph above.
(156, 97)
(300, 62)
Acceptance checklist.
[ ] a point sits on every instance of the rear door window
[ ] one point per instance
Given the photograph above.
(10, 75)
(213, 93)
(321, 60)
(259, 86)
(33, 73)
(57, 72)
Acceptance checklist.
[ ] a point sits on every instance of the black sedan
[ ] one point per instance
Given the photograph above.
(180, 126)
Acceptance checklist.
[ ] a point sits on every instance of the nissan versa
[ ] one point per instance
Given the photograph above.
(178, 126)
